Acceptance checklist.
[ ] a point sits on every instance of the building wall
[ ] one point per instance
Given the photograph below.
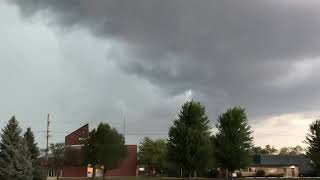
(74, 138)
(72, 171)
(278, 170)
(129, 165)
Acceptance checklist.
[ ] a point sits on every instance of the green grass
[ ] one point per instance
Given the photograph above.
(133, 178)
(164, 178)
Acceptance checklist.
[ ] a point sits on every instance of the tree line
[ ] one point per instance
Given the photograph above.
(192, 149)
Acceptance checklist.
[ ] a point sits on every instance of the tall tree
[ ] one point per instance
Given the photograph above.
(313, 142)
(15, 161)
(233, 140)
(90, 150)
(108, 147)
(152, 153)
(189, 138)
(57, 158)
(38, 172)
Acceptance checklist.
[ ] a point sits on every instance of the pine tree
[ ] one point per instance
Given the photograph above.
(15, 161)
(38, 172)
(313, 142)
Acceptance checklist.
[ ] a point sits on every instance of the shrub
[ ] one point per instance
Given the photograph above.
(260, 173)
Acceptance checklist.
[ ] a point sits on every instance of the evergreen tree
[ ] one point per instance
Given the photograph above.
(313, 141)
(38, 172)
(189, 139)
(233, 140)
(15, 161)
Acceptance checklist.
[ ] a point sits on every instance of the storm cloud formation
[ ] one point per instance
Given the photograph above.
(263, 55)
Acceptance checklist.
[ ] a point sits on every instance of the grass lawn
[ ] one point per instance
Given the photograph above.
(132, 178)
(163, 178)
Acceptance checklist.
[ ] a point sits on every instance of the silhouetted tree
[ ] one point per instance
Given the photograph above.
(189, 138)
(313, 142)
(106, 146)
(38, 172)
(233, 140)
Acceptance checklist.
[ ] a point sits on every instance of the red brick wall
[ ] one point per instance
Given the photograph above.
(74, 137)
(128, 166)
(71, 171)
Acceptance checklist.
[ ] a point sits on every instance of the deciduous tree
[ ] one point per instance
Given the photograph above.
(152, 153)
(189, 138)
(233, 140)
(106, 146)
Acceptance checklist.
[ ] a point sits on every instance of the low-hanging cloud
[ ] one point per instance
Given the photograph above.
(250, 53)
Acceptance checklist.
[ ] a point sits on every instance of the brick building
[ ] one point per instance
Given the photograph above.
(75, 169)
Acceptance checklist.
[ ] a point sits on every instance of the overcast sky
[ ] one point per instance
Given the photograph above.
(91, 61)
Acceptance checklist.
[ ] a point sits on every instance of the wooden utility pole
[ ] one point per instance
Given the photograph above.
(47, 147)
(124, 126)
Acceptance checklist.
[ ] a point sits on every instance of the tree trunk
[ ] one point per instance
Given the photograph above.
(195, 173)
(227, 174)
(57, 174)
(189, 175)
(93, 172)
(181, 172)
(104, 173)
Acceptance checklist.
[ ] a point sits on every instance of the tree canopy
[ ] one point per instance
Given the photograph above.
(152, 153)
(189, 138)
(105, 147)
(57, 158)
(268, 149)
(233, 140)
(296, 150)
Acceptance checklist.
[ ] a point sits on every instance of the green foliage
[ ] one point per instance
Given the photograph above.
(90, 148)
(105, 147)
(57, 157)
(297, 150)
(261, 173)
(15, 161)
(313, 142)
(269, 150)
(152, 153)
(212, 160)
(188, 142)
(38, 171)
(233, 140)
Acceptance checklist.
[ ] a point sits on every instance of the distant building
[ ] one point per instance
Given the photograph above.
(75, 167)
(280, 165)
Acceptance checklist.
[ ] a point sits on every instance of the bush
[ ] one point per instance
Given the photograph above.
(260, 173)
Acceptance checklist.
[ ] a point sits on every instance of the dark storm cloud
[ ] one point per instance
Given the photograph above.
(228, 52)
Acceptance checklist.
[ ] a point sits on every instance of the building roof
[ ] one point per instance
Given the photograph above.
(284, 160)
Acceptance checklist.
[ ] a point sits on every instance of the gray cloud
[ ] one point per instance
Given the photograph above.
(259, 54)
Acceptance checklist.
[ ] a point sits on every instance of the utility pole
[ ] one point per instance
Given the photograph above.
(124, 127)
(48, 135)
